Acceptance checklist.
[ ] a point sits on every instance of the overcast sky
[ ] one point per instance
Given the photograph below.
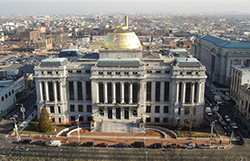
(122, 6)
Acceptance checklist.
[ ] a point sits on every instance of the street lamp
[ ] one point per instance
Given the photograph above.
(78, 134)
(15, 128)
(22, 110)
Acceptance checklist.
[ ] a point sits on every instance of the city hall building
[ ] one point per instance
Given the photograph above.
(122, 83)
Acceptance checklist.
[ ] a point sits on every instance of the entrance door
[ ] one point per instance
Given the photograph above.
(126, 113)
(110, 113)
(118, 113)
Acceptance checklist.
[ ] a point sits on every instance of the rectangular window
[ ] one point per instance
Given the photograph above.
(80, 108)
(166, 109)
(79, 90)
(157, 119)
(165, 119)
(59, 120)
(157, 109)
(180, 91)
(88, 90)
(158, 72)
(52, 110)
(148, 119)
(72, 108)
(72, 118)
(71, 90)
(6, 96)
(188, 93)
(148, 109)
(78, 71)
(9, 93)
(166, 91)
(13, 91)
(87, 71)
(81, 119)
(101, 92)
(3, 98)
(179, 111)
(58, 91)
(89, 108)
(167, 72)
(89, 118)
(51, 91)
(148, 96)
(157, 91)
(59, 109)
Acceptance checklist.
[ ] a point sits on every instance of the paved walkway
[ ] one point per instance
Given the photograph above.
(120, 127)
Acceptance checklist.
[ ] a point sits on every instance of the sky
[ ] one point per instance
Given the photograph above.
(30, 7)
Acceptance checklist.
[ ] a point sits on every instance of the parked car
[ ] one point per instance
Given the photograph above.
(204, 146)
(54, 143)
(73, 144)
(25, 141)
(234, 125)
(227, 119)
(102, 145)
(88, 144)
(122, 145)
(22, 148)
(138, 145)
(172, 146)
(208, 111)
(39, 142)
(155, 146)
(189, 145)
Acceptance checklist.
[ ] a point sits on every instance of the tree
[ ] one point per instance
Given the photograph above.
(45, 123)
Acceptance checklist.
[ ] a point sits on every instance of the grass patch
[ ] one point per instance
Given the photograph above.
(32, 129)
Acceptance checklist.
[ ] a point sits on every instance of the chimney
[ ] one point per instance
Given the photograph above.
(126, 22)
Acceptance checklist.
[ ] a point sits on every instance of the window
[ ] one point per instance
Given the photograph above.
(87, 71)
(186, 111)
(6, 95)
(41, 72)
(70, 71)
(49, 72)
(59, 109)
(100, 73)
(166, 91)
(89, 108)
(81, 119)
(57, 73)
(135, 72)
(88, 90)
(179, 111)
(109, 73)
(157, 91)
(189, 73)
(148, 119)
(59, 120)
(181, 73)
(9, 93)
(157, 109)
(148, 109)
(158, 72)
(3, 98)
(101, 111)
(71, 90)
(148, 94)
(165, 119)
(78, 71)
(72, 118)
(12, 91)
(157, 119)
(197, 73)
(72, 108)
(149, 71)
(117, 73)
(52, 109)
(126, 73)
(80, 108)
(79, 90)
(167, 72)
(166, 109)
(89, 118)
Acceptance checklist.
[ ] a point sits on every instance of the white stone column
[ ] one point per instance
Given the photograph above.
(113, 92)
(122, 92)
(75, 90)
(84, 90)
(97, 91)
(183, 92)
(105, 92)
(55, 91)
(61, 91)
(153, 91)
(192, 92)
(46, 90)
(130, 92)
(177, 92)
(198, 92)
(162, 91)
(40, 90)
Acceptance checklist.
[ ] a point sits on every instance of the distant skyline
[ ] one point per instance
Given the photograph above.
(30, 7)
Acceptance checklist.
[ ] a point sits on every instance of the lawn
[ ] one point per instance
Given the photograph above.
(32, 126)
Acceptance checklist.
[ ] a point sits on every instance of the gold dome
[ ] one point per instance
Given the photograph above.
(122, 38)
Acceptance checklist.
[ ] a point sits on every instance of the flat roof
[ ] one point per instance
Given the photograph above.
(116, 62)
(3, 88)
(187, 62)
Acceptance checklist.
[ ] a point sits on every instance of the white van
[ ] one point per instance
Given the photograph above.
(54, 143)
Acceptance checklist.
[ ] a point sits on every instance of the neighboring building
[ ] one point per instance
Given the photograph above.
(244, 100)
(7, 98)
(240, 76)
(218, 55)
(122, 83)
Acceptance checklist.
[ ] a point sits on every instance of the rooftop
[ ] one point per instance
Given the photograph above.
(52, 62)
(187, 62)
(224, 43)
(119, 62)
(3, 88)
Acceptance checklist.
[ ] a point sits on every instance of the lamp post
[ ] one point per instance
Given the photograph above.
(15, 127)
(22, 110)
(78, 134)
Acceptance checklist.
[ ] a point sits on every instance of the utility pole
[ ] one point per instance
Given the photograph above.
(78, 134)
